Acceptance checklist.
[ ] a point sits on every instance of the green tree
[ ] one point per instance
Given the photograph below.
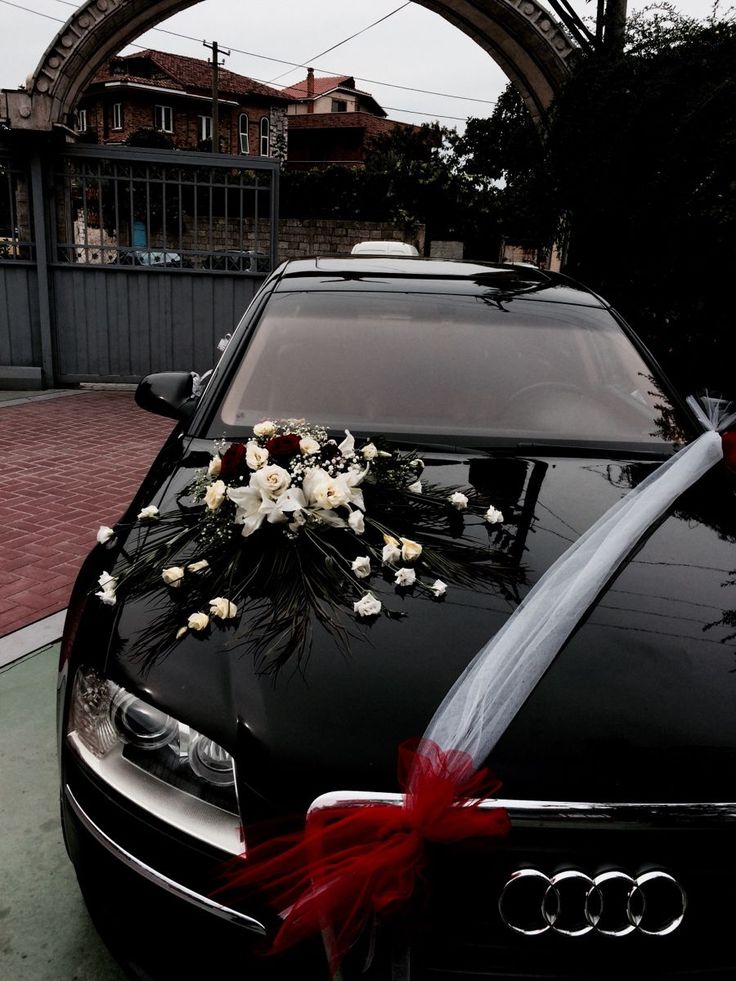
(504, 155)
(641, 156)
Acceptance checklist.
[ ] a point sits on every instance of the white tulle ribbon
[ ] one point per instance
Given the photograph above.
(489, 693)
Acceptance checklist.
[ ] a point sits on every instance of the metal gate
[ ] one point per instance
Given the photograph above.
(115, 262)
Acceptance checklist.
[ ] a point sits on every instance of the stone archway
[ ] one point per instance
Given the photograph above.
(520, 35)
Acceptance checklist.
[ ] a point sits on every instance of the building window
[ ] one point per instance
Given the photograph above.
(163, 119)
(339, 105)
(244, 139)
(205, 127)
(265, 137)
(117, 115)
(82, 120)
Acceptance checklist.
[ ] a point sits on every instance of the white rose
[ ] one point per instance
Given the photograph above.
(266, 428)
(405, 577)
(198, 621)
(215, 465)
(150, 512)
(370, 451)
(391, 554)
(215, 495)
(439, 588)
(325, 492)
(410, 551)
(347, 447)
(104, 534)
(417, 464)
(415, 488)
(272, 480)
(173, 575)
(181, 632)
(357, 522)
(255, 456)
(198, 566)
(308, 446)
(493, 516)
(367, 606)
(107, 593)
(458, 500)
(223, 608)
(362, 567)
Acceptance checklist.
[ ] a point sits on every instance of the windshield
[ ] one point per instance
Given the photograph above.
(446, 365)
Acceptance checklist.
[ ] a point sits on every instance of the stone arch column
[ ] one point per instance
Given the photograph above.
(520, 35)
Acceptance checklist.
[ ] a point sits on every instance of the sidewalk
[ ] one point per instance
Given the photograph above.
(70, 461)
(45, 933)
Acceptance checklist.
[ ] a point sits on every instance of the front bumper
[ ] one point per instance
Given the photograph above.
(148, 887)
(462, 935)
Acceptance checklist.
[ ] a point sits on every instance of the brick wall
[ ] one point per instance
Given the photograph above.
(297, 238)
(138, 113)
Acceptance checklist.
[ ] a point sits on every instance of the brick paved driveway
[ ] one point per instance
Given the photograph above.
(68, 465)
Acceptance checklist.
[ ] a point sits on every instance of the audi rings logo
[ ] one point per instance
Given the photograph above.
(573, 904)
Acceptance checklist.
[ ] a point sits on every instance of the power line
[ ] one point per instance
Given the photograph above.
(345, 41)
(37, 12)
(295, 64)
(142, 47)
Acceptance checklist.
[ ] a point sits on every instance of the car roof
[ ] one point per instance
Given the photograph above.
(408, 274)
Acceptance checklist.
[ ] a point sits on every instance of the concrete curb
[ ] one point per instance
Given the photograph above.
(21, 643)
(41, 397)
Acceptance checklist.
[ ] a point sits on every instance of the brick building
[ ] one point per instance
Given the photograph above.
(172, 94)
(332, 122)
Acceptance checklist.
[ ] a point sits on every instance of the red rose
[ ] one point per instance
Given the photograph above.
(232, 461)
(283, 448)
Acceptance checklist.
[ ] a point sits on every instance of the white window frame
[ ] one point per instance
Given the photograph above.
(82, 121)
(205, 128)
(162, 115)
(265, 136)
(117, 115)
(243, 124)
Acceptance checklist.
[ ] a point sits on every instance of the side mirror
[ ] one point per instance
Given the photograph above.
(167, 393)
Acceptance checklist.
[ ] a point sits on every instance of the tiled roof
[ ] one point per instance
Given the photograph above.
(322, 84)
(373, 125)
(191, 73)
(105, 75)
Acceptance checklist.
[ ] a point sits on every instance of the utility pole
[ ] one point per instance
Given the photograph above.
(611, 26)
(215, 49)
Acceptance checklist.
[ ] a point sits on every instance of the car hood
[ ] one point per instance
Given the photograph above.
(639, 705)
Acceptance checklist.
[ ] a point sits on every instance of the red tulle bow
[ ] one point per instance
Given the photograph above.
(352, 862)
(729, 450)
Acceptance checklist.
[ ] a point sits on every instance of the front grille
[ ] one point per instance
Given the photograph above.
(457, 932)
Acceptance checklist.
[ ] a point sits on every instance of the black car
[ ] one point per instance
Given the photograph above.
(504, 388)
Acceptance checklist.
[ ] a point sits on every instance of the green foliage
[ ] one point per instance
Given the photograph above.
(410, 177)
(504, 154)
(642, 155)
(150, 138)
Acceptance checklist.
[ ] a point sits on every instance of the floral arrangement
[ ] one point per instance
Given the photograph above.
(296, 524)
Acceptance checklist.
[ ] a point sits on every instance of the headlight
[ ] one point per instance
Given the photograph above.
(103, 715)
(141, 724)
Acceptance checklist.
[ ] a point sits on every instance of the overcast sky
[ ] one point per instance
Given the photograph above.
(414, 47)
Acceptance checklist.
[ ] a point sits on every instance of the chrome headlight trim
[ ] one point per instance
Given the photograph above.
(158, 878)
(172, 806)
